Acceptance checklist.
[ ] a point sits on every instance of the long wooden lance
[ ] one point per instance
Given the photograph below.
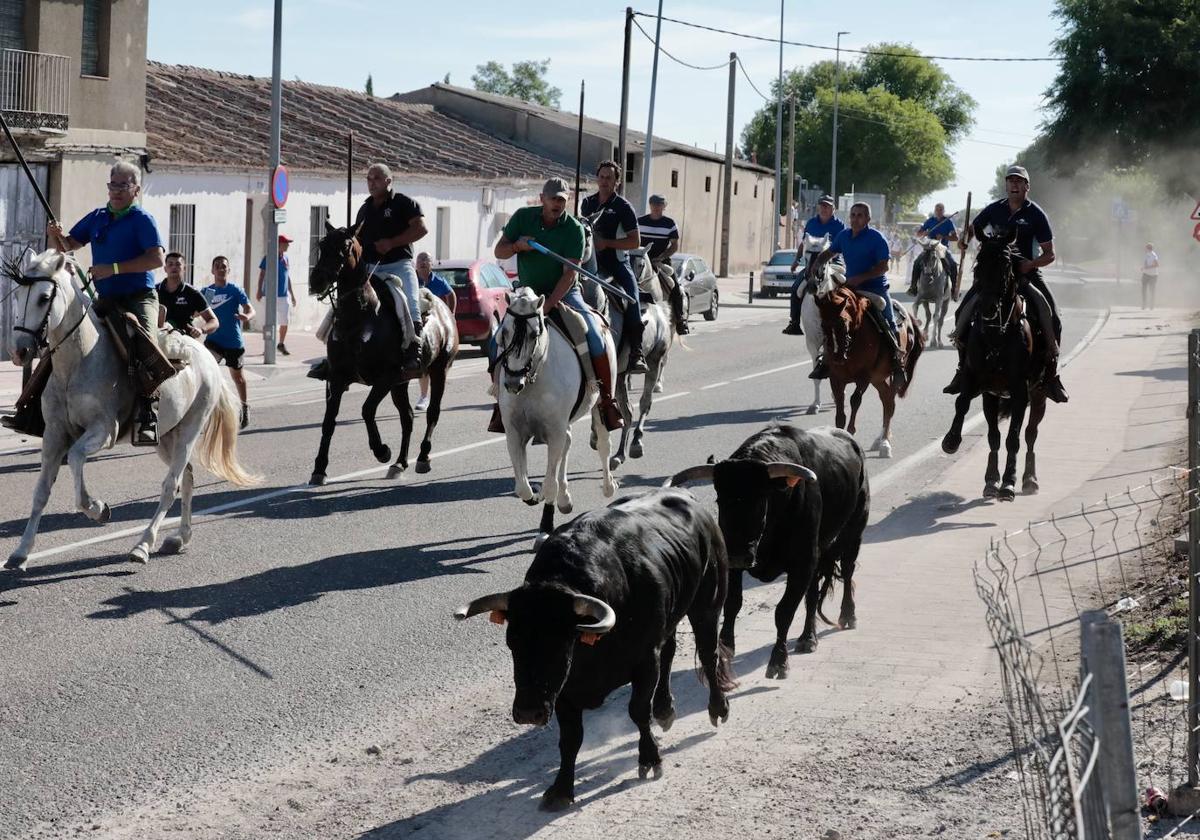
(604, 284)
(28, 174)
(964, 241)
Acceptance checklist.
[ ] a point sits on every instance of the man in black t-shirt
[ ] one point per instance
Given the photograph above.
(660, 236)
(179, 303)
(615, 232)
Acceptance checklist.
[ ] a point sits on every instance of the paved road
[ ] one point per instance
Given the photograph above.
(306, 620)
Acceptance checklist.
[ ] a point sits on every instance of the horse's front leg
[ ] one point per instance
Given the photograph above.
(381, 451)
(608, 484)
(953, 438)
(623, 406)
(520, 464)
(437, 387)
(636, 449)
(87, 445)
(404, 409)
(54, 444)
(180, 453)
(176, 544)
(887, 396)
(1037, 410)
(991, 476)
(1016, 419)
(839, 402)
(855, 402)
(333, 403)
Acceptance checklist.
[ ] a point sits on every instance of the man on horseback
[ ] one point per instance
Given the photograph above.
(822, 224)
(1032, 224)
(939, 226)
(615, 228)
(126, 250)
(867, 256)
(661, 237)
(551, 226)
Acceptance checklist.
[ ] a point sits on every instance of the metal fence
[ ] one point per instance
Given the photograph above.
(35, 89)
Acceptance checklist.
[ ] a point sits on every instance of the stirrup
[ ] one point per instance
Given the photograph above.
(955, 386)
(320, 370)
(636, 364)
(820, 369)
(146, 433)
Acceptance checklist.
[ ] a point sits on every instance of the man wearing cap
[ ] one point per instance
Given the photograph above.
(660, 237)
(552, 227)
(1015, 210)
(615, 233)
(822, 224)
(286, 293)
(939, 226)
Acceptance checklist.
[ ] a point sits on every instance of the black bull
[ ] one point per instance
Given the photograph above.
(796, 503)
(598, 609)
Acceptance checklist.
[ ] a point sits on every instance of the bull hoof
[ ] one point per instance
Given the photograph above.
(990, 490)
(951, 442)
(172, 545)
(540, 539)
(1007, 493)
(615, 462)
(139, 555)
(394, 471)
(777, 672)
(645, 770)
(383, 454)
(813, 409)
(1030, 487)
(423, 466)
(105, 513)
(635, 450)
(316, 480)
(666, 721)
(806, 644)
(552, 800)
(16, 563)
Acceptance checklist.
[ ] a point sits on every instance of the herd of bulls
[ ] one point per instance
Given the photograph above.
(603, 597)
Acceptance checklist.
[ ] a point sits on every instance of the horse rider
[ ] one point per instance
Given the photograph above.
(866, 253)
(822, 224)
(615, 233)
(939, 226)
(660, 235)
(126, 250)
(1015, 210)
(551, 226)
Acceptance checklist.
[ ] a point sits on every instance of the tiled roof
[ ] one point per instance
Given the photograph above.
(209, 119)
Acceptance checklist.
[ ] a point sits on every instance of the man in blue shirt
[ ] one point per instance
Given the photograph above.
(867, 256)
(232, 309)
(939, 226)
(287, 295)
(615, 228)
(822, 224)
(126, 250)
(1032, 224)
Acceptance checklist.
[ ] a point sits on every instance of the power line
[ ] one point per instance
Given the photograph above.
(720, 66)
(738, 58)
(843, 49)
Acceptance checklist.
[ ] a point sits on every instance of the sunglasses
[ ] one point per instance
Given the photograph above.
(125, 187)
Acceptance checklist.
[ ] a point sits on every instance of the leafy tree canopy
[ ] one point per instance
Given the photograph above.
(526, 81)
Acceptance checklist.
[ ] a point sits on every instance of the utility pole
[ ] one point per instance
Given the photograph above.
(579, 148)
(726, 199)
(648, 157)
(623, 131)
(837, 80)
(791, 185)
(271, 279)
(778, 139)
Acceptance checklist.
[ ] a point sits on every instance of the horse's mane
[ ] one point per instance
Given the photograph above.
(993, 265)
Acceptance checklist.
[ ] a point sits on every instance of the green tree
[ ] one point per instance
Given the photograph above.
(526, 81)
(370, 90)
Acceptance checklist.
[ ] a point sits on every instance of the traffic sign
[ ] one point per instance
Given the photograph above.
(280, 216)
(1196, 213)
(1196, 233)
(279, 186)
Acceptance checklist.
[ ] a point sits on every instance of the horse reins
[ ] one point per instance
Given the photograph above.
(41, 334)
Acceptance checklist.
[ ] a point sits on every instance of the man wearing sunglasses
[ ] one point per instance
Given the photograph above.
(126, 250)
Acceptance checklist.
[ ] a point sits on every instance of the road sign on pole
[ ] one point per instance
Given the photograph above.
(1196, 213)
(1196, 233)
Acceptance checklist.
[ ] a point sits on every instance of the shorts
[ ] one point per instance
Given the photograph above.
(1150, 279)
(231, 355)
(282, 308)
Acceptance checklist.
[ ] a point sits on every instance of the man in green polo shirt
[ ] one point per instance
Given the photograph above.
(552, 227)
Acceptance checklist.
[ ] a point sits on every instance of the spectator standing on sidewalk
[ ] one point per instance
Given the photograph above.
(233, 311)
(287, 297)
(1149, 276)
(180, 303)
(438, 287)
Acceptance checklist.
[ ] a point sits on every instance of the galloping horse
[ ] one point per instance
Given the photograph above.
(541, 390)
(89, 402)
(365, 345)
(933, 289)
(1001, 365)
(856, 352)
(810, 317)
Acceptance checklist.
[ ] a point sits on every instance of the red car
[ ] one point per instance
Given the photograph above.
(479, 286)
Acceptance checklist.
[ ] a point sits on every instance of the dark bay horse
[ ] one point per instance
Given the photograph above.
(1002, 366)
(366, 345)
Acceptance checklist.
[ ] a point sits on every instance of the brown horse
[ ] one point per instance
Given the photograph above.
(856, 352)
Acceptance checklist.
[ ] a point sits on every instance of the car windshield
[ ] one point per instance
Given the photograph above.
(456, 277)
(783, 258)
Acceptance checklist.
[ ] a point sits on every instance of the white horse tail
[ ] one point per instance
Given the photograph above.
(217, 448)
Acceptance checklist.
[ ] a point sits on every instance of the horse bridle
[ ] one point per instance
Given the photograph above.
(331, 293)
(41, 335)
(520, 331)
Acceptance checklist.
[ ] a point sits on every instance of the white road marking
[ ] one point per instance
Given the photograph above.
(773, 370)
(714, 385)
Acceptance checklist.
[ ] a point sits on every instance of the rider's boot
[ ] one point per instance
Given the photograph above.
(793, 328)
(604, 381)
(28, 419)
(793, 325)
(956, 383)
(146, 433)
(496, 424)
(412, 351)
(319, 370)
(637, 358)
(681, 324)
(1051, 383)
(820, 369)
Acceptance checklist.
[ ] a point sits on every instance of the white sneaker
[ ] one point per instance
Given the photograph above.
(422, 404)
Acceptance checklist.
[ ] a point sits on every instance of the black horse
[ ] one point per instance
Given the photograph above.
(366, 345)
(1001, 364)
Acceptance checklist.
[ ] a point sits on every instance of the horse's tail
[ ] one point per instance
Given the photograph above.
(910, 362)
(217, 448)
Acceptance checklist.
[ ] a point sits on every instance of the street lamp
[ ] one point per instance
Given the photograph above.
(837, 78)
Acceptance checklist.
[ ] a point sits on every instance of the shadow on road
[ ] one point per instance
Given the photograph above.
(1174, 374)
(923, 515)
(756, 416)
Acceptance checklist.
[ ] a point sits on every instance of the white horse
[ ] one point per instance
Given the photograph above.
(89, 401)
(542, 391)
(933, 288)
(810, 317)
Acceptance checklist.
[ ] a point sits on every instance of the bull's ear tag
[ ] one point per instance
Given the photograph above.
(792, 480)
(589, 638)
(497, 617)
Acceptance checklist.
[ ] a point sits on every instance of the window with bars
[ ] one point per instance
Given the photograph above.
(708, 183)
(93, 56)
(675, 178)
(12, 25)
(181, 237)
(317, 217)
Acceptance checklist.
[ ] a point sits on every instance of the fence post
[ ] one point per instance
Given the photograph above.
(1193, 415)
(750, 293)
(1103, 652)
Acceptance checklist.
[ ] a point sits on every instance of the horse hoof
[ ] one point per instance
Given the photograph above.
(423, 466)
(666, 721)
(316, 480)
(105, 513)
(139, 555)
(806, 645)
(615, 462)
(777, 672)
(172, 545)
(635, 450)
(16, 563)
(383, 454)
(658, 388)
(395, 471)
(540, 539)
(645, 770)
(1030, 487)
(885, 450)
(813, 409)
(1007, 493)
(951, 442)
(566, 507)
(990, 491)
(848, 623)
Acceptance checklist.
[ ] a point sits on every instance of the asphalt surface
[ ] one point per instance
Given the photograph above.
(304, 620)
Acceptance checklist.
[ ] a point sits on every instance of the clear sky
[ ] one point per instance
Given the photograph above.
(406, 45)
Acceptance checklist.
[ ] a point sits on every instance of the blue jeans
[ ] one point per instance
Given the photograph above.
(632, 326)
(407, 272)
(879, 286)
(793, 301)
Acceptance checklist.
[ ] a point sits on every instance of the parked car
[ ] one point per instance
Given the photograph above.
(479, 286)
(699, 285)
(777, 274)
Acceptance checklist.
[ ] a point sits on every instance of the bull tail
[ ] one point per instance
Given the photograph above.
(829, 574)
(910, 361)
(726, 681)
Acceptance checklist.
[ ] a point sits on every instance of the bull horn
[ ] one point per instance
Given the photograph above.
(704, 472)
(782, 469)
(495, 601)
(604, 616)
